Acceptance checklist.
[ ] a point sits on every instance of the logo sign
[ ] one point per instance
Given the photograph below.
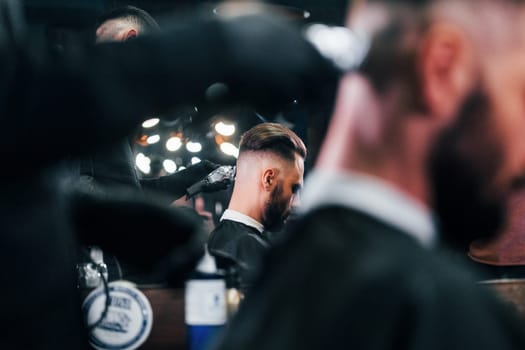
(128, 320)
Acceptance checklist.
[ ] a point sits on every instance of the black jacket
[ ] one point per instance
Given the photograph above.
(234, 244)
(345, 280)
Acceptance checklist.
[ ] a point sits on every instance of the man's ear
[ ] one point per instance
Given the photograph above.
(268, 178)
(130, 34)
(447, 68)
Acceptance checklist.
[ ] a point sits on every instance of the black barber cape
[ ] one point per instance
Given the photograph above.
(345, 280)
(234, 244)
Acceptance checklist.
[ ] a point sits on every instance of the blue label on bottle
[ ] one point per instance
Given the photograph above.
(205, 311)
(201, 337)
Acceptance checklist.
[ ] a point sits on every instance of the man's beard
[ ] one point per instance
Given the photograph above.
(275, 212)
(462, 168)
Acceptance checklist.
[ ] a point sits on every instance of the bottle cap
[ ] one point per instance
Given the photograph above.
(207, 263)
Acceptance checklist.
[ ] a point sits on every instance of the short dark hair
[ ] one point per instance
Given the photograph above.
(389, 57)
(392, 58)
(133, 14)
(275, 138)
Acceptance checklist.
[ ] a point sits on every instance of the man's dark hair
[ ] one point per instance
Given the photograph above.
(391, 58)
(275, 138)
(134, 15)
(392, 54)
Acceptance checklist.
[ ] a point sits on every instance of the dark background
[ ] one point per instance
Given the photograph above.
(77, 13)
(63, 22)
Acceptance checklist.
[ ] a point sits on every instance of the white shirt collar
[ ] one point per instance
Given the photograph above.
(372, 196)
(234, 215)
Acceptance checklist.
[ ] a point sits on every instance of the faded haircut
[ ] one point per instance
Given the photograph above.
(275, 138)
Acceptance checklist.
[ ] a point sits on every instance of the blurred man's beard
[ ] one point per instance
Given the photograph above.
(462, 168)
(275, 212)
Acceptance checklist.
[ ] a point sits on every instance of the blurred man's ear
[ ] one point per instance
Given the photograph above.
(130, 34)
(447, 69)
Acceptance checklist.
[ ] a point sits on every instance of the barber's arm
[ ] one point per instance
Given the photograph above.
(175, 185)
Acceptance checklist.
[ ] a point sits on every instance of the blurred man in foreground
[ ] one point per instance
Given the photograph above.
(434, 118)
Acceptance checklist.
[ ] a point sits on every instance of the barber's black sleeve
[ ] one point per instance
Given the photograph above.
(174, 186)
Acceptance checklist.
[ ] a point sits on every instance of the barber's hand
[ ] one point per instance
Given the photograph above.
(197, 172)
(216, 186)
(219, 179)
(176, 184)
